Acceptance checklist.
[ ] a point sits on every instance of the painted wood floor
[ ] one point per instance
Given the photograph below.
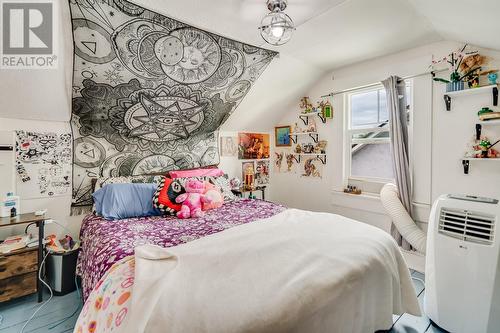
(50, 319)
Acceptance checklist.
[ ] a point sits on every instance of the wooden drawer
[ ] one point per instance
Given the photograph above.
(18, 286)
(17, 264)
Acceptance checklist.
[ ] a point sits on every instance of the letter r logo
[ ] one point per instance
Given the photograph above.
(27, 28)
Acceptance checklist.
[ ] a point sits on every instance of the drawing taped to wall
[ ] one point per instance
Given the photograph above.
(43, 164)
(149, 92)
(279, 163)
(312, 167)
(228, 146)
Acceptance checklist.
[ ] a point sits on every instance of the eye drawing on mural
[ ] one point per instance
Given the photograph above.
(149, 92)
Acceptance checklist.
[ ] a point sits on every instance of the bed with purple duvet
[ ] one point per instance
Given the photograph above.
(106, 242)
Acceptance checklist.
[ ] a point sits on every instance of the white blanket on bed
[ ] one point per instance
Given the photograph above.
(297, 271)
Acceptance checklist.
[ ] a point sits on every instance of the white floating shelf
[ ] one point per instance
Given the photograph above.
(492, 122)
(466, 161)
(472, 91)
(310, 114)
(304, 133)
(313, 154)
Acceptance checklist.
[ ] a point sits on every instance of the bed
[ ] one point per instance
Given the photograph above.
(106, 242)
(249, 266)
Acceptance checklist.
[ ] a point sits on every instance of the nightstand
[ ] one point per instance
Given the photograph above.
(240, 192)
(19, 269)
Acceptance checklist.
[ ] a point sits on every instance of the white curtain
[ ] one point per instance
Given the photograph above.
(398, 128)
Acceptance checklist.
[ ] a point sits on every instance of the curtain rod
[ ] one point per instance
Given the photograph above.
(433, 73)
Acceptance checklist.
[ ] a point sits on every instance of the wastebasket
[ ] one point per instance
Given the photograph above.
(61, 269)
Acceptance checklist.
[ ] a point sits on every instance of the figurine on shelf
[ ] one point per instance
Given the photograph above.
(296, 129)
(487, 150)
(298, 149)
(320, 147)
(308, 148)
(312, 128)
(491, 75)
(319, 107)
(306, 105)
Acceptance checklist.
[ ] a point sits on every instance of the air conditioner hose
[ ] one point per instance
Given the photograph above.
(401, 219)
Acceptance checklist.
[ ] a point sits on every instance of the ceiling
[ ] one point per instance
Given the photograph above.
(330, 34)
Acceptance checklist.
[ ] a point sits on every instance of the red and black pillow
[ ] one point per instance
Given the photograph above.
(164, 199)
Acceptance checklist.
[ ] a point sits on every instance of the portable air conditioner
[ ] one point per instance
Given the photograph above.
(462, 272)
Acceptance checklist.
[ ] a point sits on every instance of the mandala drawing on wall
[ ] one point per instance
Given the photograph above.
(149, 92)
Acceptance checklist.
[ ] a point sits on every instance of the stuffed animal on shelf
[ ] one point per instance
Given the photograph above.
(192, 200)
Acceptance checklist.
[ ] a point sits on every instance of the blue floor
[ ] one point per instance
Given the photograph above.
(50, 319)
(58, 316)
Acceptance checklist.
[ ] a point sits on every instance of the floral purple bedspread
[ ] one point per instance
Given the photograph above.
(106, 242)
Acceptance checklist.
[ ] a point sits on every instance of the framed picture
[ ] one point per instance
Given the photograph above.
(253, 146)
(262, 172)
(282, 136)
(248, 173)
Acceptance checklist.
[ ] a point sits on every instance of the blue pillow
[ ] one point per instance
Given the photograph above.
(121, 201)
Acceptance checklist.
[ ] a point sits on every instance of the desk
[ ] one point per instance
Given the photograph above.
(39, 221)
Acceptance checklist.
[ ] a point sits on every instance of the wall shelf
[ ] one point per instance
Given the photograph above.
(481, 123)
(466, 162)
(313, 135)
(493, 88)
(305, 117)
(321, 157)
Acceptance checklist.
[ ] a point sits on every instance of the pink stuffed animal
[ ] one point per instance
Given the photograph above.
(192, 200)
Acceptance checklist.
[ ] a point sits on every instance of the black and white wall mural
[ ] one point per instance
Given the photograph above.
(149, 91)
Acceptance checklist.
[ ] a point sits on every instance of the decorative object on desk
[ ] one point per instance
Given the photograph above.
(8, 203)
(312, 127)
(306, 105)
(235, 183)
(43, 163)
(253, 146)
(464, 66)
(248, 171)
(312, 167)
(282, 136)
(298, 148)
(327, 110)
(278, 161)
(262, 172)
(228, 146)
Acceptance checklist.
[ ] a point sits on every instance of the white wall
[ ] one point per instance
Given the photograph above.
(439, 141)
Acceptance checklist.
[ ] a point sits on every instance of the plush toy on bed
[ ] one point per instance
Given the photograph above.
(192, 200)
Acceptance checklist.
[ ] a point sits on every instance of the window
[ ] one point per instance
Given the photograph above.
(368, 152)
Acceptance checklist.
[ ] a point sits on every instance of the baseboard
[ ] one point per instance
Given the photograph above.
(414, 260)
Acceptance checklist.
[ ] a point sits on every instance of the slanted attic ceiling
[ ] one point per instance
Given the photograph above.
(330, 34)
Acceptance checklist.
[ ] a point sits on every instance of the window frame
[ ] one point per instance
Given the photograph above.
(367, 184)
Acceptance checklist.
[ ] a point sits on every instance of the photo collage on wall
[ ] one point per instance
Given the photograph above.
(43, 164)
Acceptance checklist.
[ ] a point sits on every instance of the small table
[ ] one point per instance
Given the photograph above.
(29, 218)
(239, 192)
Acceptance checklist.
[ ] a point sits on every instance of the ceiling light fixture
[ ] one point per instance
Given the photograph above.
(276, 28)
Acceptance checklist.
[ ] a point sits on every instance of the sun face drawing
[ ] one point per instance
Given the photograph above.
(188, 55)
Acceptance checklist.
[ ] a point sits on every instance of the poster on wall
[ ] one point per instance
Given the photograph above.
(149, 92)
(290, 164)
(253, 146)
(311, 167)
(279, 163)
(262, 172)
(282, 136)
(228, 146)
(43, 164)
